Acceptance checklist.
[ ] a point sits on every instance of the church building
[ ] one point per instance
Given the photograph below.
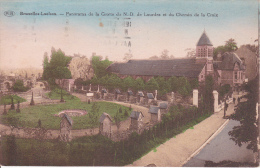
(229, 70)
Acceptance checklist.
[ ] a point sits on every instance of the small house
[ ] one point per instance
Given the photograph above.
(155, 114)
(117, 94)
(150, 97)
(140, 96)
(104, 93)
(130, 95)
(65, 128)
(136, 120)
(163, 107)
(105, 124)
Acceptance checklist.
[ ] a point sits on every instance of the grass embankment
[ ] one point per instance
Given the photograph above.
(7, 99)
(29, 116)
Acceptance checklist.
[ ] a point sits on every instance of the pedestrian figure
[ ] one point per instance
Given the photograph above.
(234, 100)
(225, 109)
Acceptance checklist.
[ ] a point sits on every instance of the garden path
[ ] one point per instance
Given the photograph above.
(53, 134)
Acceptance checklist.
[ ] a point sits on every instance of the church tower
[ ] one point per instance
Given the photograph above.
(204, 48)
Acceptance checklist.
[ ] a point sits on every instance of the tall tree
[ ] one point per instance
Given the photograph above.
(57, 68)
(245, 113)
(128, 83)
(100, 66)
(93, 114)
(191, 52)
(127, 56)
(139, 84)
(151, 85)
(165, 55)
(231, 45)
(45, 60)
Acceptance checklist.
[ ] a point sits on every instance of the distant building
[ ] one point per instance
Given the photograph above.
(229, 70)
(155, 114)
(204, 47)
(163, 106)
(65, 128)
(105, 124)
(150, 97)
(136, 120)
(250, 60)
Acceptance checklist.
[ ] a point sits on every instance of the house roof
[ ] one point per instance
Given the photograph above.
(163, 105)
(204, 40)
(130, 93)
(187, 67)
(150, 96)
(154, 109)
(103, 116)
(228, 62)
(136, 114)
(67, 118)
(141, 94)
(117, 91)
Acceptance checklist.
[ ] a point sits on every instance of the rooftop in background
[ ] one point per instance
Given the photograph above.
(150, 96)
(154, 109)
(228, 61)
(163, 105)
(204, 40)
(136, 114)
(103, 116)
(188, 67)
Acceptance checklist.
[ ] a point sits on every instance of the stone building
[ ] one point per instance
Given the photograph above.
(117, 94)
(130, 95)
(163, 106)
(104, 93)
(155, 114)
(136, 120)
(140, 96)
(105, 124)
(231, 69)
(204, 46)
(150, 97)
(65, 128)
(250, 60)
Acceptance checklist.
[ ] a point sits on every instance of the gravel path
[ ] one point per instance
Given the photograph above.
(53, 134)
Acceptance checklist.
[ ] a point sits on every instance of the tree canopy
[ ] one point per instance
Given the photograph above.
(230, 45)
(57, 67)
(245, 113)
(100, 66)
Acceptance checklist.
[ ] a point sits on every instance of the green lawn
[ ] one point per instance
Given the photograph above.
(29, 116)
(7, 99)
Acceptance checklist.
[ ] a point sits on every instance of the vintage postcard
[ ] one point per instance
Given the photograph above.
(129, 83)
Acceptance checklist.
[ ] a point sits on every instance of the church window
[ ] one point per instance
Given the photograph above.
(236, 75)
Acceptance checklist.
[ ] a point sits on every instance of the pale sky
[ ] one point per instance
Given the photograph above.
(25, 38)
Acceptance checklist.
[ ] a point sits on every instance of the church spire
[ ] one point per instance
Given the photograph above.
(204, 40)
(204, 46)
